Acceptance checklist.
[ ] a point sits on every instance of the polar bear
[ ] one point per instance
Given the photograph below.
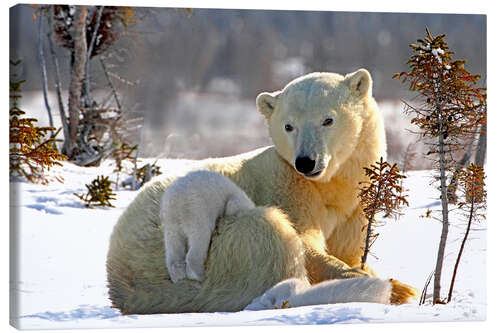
(307, 224)
(296, 292)
(189, 209)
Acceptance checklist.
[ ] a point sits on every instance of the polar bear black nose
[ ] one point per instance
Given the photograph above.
(304, 164)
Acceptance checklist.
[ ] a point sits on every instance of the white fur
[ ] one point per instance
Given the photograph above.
(300, 293)
(189, 209)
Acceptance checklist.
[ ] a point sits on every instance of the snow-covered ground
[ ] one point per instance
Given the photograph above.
(60, 282)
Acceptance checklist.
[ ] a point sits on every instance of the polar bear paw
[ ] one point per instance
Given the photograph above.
(177, 271)
(195, 271)
(278, 295)
(402, 293)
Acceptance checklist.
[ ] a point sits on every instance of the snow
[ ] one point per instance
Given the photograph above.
(61, 247)
(437, 52)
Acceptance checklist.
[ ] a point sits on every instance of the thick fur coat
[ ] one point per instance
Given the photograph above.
(308, 222)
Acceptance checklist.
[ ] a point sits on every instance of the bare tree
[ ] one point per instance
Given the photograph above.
(78, 60)
(92, 129)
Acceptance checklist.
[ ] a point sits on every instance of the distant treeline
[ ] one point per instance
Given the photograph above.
(248, 51)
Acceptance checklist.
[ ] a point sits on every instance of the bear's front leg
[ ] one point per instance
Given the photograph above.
(350, 249)
(347, 240)
(321, 265)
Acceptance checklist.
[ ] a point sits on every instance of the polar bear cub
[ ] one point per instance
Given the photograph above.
(189, 210)
(297, 292)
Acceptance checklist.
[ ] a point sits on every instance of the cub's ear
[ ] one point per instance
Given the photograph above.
(266, 102)
(360, 83)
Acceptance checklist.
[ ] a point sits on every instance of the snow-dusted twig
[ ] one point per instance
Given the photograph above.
(424, 290)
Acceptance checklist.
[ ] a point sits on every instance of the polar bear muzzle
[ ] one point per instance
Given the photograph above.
(306, 165)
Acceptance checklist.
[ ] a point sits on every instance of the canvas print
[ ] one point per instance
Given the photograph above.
(178, 167)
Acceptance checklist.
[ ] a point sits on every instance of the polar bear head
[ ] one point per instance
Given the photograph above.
(316, 120)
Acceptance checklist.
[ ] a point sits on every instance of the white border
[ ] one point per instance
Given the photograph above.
(421, 6)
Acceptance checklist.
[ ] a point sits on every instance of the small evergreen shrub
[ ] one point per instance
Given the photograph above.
(99, 193)
(382, 192)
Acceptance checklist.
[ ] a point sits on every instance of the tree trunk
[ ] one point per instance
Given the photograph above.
(364, 257)
(481, 147)
(62, 112)
(77, 74)
(87, 97)
(444, 207)
(369, 228)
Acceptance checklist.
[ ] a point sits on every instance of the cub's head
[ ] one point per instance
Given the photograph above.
(315, 121)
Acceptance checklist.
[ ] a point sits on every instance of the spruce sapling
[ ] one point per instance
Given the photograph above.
(472, 204)
(381, 193)
(448, 110)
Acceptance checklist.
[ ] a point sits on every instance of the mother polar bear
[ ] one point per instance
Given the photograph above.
(308, 223)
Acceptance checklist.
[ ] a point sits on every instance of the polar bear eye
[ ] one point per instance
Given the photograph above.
(328, 122)
(288, 128)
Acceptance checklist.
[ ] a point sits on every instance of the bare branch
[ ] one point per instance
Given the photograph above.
(106, 74)
(89, 53)
(43, 67)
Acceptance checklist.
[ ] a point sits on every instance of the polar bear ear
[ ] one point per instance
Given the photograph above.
(266, 102)
(360, 83)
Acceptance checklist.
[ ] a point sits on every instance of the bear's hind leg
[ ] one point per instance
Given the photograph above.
(197, 254)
